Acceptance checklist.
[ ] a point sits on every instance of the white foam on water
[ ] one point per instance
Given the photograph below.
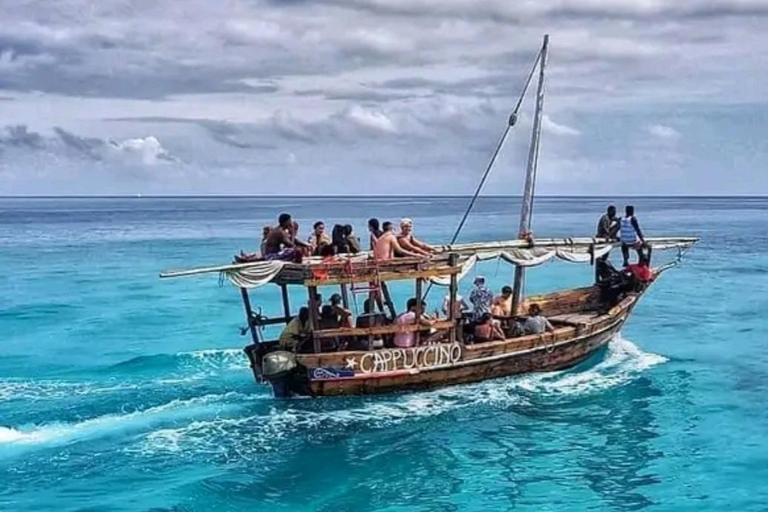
(63, 433)
(229, 358)
(623, 362)
(21, 389)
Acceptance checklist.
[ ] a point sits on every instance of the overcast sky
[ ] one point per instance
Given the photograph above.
(380, 96)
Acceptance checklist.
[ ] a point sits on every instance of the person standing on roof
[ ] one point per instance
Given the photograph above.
(630, 234)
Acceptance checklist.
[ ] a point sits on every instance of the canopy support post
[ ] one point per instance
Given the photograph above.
(453, 259)
(388, 300)
(313, 321)
(286, 303)
(249, 315)
(530, 177)
(419, 310)
(344, 296)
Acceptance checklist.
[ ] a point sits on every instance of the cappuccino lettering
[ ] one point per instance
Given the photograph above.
(407, 358)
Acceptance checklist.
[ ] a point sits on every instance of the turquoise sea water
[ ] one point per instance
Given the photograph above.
(119, 391)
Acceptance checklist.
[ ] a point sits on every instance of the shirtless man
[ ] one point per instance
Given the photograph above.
(502, 305)
(409, 242)
(387, 245)
(280, 243)
(375, 232)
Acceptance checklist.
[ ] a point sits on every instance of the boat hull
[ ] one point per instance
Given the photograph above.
(581, 330)
(548, 356)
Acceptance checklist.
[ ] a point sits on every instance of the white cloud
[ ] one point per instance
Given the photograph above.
(663, 132)
(148, 149)
(375, 120)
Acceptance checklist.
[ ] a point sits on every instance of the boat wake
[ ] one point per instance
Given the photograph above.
(137, 374)
(34, 390)
(242, 423)
(52, 434)
(622, 363)
(200, 362)
(263, 432)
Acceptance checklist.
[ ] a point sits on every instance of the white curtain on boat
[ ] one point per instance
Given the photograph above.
(581, 254)
(528, 258)
(255, 274)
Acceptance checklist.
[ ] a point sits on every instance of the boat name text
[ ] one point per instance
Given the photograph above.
(407, 358)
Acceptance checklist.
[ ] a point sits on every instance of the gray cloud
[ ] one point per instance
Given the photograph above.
(19, 136)
(143, 150)
(265, 90)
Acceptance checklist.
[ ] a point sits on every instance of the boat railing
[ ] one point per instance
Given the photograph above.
(437, 325)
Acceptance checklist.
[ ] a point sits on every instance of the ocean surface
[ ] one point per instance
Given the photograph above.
(121, 391)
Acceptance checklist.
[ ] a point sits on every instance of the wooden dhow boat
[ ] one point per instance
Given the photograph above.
(584, 319)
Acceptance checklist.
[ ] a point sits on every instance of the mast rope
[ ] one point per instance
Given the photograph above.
(510, 123)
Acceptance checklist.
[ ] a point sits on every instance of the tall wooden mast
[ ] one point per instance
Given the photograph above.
(530, 176)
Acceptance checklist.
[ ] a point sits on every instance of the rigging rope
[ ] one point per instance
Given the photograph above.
(510, 123)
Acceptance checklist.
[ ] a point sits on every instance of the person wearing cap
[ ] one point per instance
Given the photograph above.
(409, 242)
(481, 298)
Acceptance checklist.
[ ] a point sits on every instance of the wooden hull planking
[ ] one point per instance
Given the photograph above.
(566, 347)
(499, 363)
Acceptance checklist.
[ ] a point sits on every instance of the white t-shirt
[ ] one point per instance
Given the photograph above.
(405, 339)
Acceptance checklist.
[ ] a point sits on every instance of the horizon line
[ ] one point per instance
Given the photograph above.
(363, 196)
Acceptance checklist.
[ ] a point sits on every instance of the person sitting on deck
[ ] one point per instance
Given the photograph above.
(409, 242)
(296, 332)
(304, 247)
(343, 314)
(387, 246)
(640, 273)
(481, 298)
(408, 339)
(375, 231)
(328, 252)
(280, 244)
(370, 319)
(460, 306)
(339, 240)
(353, 242)
(319, 238)
(264, 234)
(502, 305)
(630, 234)
(245, 257)
(536, 323)
(608, 225)
(328, 320)
(487, 330)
